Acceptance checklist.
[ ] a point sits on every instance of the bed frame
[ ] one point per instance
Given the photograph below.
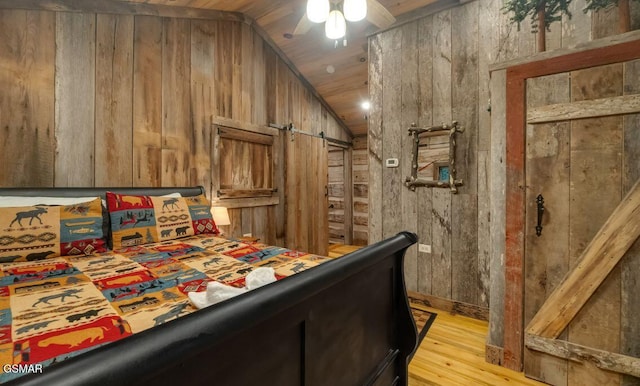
(345, 322)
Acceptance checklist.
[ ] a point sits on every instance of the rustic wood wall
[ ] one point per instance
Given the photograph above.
(94, 99)
(340, 218)
(360, 178)
(439, 83)
(444, 61)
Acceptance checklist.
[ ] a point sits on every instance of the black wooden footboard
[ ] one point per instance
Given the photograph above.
(345, 322)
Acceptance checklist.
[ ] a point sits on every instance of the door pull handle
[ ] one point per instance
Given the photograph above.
(540, 202)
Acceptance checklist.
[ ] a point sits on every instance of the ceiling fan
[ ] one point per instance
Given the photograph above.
(376, 14)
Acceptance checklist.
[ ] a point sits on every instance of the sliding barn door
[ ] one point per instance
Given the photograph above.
(580, 162)
(306, 193)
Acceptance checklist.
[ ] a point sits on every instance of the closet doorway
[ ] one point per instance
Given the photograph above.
(339, 193)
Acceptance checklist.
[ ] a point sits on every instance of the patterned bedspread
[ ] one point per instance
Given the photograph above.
(57, 308)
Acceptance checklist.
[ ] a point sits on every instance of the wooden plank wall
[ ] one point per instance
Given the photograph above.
(127, 100)
(360, 177)
(439, 83)
(75, 87)
(337, 194)
(27, 46)
(444, 60)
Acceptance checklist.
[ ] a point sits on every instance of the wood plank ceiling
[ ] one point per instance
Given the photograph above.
(312, 53)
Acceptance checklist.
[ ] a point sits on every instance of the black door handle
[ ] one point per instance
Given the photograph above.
(540, 202)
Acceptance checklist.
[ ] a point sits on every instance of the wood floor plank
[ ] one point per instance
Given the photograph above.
(337, 250)
(428, 368)
(453, 353)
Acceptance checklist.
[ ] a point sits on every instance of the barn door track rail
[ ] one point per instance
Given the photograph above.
(293, 130)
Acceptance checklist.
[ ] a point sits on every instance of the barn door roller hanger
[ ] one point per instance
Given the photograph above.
(445, 171)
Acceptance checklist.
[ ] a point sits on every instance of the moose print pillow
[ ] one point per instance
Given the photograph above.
(140, 220)
(30, 233)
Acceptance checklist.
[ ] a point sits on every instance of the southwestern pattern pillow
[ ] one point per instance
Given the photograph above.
(30, 233)
(140, 220)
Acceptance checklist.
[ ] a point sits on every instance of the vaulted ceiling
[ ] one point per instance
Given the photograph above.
(338, 73)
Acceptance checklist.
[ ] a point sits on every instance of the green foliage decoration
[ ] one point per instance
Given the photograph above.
(553, 10)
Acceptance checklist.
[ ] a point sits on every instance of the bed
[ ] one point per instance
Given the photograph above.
(345, 321)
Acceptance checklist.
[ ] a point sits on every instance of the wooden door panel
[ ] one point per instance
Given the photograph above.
(576, 165)
(548, 174)
(603, 53)
(305, 185)
(596, 184)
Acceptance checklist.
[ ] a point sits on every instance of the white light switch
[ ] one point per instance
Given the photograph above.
(392, 162)
(424, 248)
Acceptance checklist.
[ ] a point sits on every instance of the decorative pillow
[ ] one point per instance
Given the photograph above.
(37, 232)
(47, 200)
(139, 220)
(6, 201)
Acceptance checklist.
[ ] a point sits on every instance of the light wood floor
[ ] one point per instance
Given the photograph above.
(337, 250)
(453, 351)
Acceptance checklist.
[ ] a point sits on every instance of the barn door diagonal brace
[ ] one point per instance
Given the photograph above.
(598, 259)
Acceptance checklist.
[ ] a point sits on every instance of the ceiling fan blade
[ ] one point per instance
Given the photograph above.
(303, 26)
(378, 15)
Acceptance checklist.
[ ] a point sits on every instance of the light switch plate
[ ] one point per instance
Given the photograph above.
(391, 162)
(424, 248)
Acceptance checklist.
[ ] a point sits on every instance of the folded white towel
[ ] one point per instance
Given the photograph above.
(217, 292)
(259, 277)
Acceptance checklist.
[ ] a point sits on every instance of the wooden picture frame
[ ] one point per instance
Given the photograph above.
(412, 182)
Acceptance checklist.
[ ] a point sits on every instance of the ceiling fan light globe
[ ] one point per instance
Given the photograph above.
(336, 26)
(355, 10)
(317, 10)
